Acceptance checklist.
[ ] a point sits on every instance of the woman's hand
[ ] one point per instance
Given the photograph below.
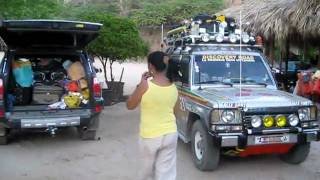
(134, 100)
(143, 85)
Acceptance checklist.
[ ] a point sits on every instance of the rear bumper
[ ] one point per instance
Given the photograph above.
(243, 140)
(47, 122)
(50, 120)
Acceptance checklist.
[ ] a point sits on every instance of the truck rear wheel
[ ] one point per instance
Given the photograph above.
(4, 140)
(89, 132)
(4, 136)
(205, 153)
(297, 154)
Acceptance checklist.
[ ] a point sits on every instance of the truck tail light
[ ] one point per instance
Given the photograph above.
(97, 90)
(2, 113)
(1, 89)
(98, 108)
(1, 98)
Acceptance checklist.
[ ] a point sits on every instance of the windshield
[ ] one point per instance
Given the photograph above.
(222, 68)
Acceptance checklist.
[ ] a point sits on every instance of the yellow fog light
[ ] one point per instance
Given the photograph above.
(268, 121)
(281, 120)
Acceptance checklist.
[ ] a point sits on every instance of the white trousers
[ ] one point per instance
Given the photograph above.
(158, 157)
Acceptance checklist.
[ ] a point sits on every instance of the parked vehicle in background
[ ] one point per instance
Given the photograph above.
(47, 80)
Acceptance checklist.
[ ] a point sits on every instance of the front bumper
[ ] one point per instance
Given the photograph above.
(242, 140)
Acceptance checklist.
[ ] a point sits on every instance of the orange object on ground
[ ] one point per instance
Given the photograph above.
(266, 149)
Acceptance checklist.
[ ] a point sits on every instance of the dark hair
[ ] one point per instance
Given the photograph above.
(157, 60)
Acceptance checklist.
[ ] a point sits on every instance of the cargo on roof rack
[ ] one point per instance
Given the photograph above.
(208, 29)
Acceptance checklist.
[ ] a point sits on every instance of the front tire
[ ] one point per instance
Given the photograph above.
(296, 154)
(205, 152)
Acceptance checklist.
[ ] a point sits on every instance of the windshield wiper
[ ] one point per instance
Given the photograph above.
(250, 82)
(215, 82)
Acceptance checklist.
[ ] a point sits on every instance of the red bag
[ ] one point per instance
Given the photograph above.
(73, 86)
(304, 84)
(316, 87)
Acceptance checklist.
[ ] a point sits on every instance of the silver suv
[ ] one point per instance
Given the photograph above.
(229, 104)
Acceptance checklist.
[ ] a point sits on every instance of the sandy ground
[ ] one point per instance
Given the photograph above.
(131, 74)
(37, 156)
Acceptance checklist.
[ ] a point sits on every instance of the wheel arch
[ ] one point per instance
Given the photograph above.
(192, 117)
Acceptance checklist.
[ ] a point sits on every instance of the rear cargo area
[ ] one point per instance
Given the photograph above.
(47, 83)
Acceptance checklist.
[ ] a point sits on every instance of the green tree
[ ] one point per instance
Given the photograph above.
(30, 9)
(119, 40)
(156, 12)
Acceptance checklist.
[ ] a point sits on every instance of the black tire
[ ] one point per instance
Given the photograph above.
(297, 154)
(4, 136)
(89, 132)
(210, 150)
(4, 140)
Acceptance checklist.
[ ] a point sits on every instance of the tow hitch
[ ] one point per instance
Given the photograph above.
(52, 130)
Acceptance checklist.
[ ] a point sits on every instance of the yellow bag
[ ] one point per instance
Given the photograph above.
(85, 94)
(72, 101)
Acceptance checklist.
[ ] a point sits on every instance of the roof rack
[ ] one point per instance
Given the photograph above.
(227, 45)
(208, 29)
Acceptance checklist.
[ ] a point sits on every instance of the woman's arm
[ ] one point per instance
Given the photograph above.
(134, 100)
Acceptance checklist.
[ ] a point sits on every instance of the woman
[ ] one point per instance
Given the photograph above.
(158, 130)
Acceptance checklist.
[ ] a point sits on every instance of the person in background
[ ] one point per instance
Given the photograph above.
(157, 96)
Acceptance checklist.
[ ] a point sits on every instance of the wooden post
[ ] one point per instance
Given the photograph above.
(318, 57)
(287, 51)
(267, 50)
(272, 55)
(304, 49)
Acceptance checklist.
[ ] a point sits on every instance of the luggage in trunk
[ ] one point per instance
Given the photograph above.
(23, 95)
(44, 94)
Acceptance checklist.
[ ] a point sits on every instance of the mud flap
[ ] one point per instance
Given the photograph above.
(89, 132)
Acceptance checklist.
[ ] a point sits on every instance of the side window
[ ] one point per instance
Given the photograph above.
(184, 69)
(179, 68)
(173, 68)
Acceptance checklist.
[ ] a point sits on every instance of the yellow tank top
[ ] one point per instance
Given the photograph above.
(157, 117)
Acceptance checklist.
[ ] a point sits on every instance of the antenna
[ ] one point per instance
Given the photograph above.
(200, 88)
(162, 38)
(240, 55)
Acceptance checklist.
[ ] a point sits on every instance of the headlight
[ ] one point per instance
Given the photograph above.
(205, 37)
(293, 120)
(313, 112)
(245, 38)
(304, 114)
(268, 121)
(233, 38)
(227, 116)
(256, 121)
(281, 120)
(219, 37)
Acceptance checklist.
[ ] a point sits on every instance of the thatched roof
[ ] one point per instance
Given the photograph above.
(305, 16)
(280, 19)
